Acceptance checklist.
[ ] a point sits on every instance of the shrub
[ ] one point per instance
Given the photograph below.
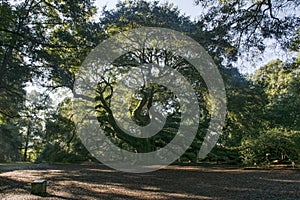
(54, 153)
(270, 146)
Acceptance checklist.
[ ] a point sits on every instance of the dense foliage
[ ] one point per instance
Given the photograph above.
(44, 43)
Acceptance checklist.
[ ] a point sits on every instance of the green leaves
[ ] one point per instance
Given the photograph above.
(281, 83)
(247, 24)
(134, 14)
(42, 42)
(46, 41)
(272, 146)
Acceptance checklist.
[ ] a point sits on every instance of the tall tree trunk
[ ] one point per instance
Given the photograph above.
(26, 143)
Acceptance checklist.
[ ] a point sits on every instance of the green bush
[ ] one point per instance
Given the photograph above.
(226, 155)
(275, 145)
(54, 153)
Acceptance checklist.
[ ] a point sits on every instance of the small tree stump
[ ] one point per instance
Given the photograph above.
(293, 165)
(38, 187)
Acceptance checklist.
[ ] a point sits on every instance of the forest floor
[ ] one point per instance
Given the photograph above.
(96, 181)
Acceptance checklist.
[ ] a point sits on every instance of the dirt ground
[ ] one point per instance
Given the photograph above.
(96, 181)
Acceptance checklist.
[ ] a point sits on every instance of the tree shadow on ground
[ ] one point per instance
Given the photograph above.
(97, 181)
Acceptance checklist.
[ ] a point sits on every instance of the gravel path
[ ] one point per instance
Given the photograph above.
(95, 181)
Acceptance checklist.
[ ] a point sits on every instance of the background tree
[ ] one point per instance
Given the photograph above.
(280, 140)
(32, 124)
(41, 42)
(281, 84)
(254, 20)
(250, 27)
(61, 143)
